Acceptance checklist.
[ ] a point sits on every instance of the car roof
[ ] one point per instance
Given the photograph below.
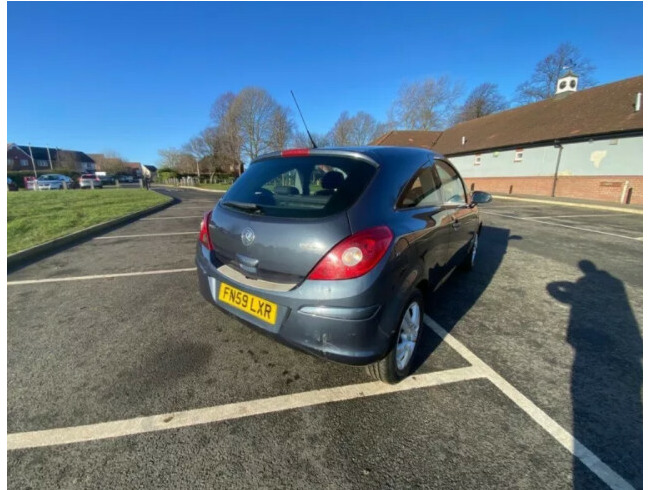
(383, 156)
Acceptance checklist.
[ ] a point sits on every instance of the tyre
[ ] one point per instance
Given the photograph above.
(470, 260)
(397, 364)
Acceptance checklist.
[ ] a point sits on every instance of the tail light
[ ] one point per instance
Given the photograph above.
(355, 256)
(204, 234)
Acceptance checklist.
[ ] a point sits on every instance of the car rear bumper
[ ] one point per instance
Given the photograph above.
(355, 330)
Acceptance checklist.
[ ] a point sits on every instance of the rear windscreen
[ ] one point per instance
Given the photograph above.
(299, 187)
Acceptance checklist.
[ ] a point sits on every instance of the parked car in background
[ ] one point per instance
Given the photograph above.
(54, 182)
(11, 185)
(331, 251)
(86, 181)
(30, 183)
(107, 179)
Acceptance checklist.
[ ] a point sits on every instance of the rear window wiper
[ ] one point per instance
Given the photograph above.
(244, 206)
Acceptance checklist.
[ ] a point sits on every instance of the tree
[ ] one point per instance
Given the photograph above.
(301, 140)
(341, 133)
(110, 162)
(282, 128)
(425, 105)
(541, 85)
(199, 149)
(182, 162)
(224, 137)
(221, 157)
(357, 130)
(483, 100)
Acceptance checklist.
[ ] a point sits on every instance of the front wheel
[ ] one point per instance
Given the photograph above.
(397, 364)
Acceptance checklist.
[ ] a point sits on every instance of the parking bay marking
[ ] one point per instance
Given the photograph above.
(477, 370)
(538, 220)
(561, 435)
(100, 276)
(219, 413)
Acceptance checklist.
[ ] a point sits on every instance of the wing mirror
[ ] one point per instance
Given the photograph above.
(480, 197)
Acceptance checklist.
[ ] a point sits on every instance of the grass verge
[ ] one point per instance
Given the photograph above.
(37, 217)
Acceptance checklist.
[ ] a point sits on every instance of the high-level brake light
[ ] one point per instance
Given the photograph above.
(295, 152)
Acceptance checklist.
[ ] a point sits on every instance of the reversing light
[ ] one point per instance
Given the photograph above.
(204, 234)
(295, 152)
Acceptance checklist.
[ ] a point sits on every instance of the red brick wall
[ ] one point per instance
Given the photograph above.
(607, 188)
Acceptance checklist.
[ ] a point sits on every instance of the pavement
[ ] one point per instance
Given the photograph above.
(572, 202)
(121, 376)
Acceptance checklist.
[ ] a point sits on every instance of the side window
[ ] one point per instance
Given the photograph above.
(453, 190)
(423, 191)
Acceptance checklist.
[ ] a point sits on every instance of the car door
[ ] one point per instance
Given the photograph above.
(429, 222)
(464, 219)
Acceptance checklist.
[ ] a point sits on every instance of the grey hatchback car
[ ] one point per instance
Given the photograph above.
(331, 250)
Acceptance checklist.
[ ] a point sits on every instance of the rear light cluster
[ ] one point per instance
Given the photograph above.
(354, 256)
(204, 234)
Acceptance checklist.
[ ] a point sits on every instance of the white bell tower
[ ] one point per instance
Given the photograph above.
(567, 83)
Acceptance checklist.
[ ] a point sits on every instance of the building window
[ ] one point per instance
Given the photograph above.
(519, 155)
(41, 163)
(477, 159)
(23, 163)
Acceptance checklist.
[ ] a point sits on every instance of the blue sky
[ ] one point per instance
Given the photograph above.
(136, 77)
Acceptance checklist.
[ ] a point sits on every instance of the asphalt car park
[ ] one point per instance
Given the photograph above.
(120, 375)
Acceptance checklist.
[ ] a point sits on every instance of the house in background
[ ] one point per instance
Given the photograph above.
(22, 157)
(584, 144)
(17, 159)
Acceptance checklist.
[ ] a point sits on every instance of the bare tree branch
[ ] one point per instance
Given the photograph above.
(483, 100)
(541, 85)
(426, 105)
(357, 130)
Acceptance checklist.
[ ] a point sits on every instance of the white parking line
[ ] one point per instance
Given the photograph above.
(538, 220)
(219, 413)
(564, 437)
(171, 217)
(100, 276)
(146, 235)
(592, 215)
(174, 420)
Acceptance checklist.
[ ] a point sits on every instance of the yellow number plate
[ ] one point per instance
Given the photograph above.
(258, 307)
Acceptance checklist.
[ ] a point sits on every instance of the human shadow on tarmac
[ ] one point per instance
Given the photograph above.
(456, 297)
(607, 376)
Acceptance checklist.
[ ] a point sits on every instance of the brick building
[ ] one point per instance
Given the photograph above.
(584, 144)
(23, 157)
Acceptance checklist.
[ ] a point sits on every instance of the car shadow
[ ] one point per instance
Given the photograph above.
(607, 375)
(458, 294)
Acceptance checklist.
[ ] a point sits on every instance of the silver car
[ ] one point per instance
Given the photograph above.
(331, 250)
(88, 181)
(54, 182)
